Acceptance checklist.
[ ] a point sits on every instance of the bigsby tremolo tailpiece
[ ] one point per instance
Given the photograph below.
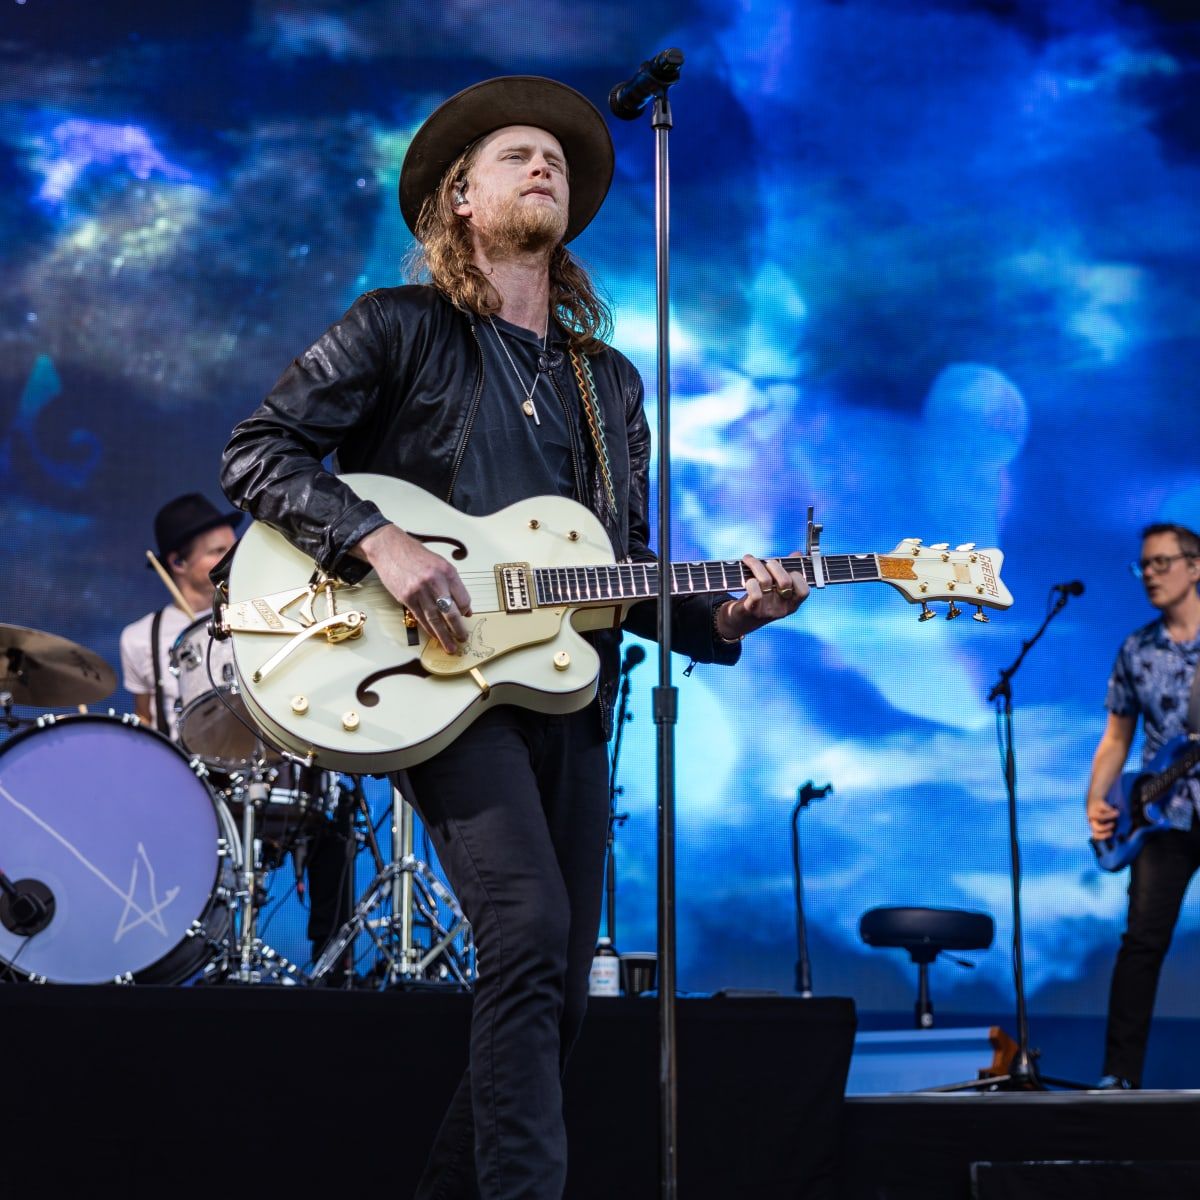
(268, 614)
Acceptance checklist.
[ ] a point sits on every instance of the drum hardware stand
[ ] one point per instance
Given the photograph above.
(804, 797)
(401, 886)
(256, 962)
(6, 712)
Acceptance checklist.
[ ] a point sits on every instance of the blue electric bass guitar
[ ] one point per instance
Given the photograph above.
(1139, 798)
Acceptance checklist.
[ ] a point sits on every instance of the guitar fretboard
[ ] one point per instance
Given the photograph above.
(638, 581)
(1157, 787)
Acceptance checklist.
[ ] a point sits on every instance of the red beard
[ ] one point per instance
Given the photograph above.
(521, 228)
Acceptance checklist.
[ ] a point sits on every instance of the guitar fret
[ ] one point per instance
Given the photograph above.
(837, 568)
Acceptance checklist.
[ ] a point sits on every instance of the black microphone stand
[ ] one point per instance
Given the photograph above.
(804, 797)
(615, 818)
(653, 79)
(1022, 1074)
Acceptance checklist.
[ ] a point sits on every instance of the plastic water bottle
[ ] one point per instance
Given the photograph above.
(604, 979)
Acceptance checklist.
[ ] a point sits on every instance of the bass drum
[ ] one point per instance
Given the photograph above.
(138, 854)
(213, 722)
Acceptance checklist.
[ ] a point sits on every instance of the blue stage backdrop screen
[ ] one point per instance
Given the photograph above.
(934, 273)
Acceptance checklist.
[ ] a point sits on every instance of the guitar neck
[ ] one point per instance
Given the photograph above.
(639, 581)
(1166, 780)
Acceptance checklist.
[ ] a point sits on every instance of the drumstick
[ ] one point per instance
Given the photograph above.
(170, 585)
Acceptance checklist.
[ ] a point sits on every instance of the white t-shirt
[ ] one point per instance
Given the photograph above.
(137, 664)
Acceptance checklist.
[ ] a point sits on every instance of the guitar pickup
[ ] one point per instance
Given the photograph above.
(514, 585)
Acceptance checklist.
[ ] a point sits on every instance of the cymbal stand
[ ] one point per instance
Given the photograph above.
(255, 961)
(7, 720)
(411, 918)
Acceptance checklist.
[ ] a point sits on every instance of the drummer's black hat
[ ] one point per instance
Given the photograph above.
(187, 517)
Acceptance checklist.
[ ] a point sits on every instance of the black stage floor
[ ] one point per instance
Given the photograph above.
(145, 1091)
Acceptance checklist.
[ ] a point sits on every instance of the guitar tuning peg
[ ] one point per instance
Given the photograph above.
(911, 541)
(980, 615)
(965, 547)
(940, 546)
(926, 613)
(953, 611)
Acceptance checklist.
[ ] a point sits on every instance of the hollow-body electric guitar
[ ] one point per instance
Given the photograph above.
(341, 675)
(1139, 796)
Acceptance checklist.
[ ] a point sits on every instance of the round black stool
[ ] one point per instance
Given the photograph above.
(925, 933)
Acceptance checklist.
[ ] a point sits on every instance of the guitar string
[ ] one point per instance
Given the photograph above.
(698, 567)
(484, 593)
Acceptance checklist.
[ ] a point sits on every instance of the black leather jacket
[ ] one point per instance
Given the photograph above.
(393, 388)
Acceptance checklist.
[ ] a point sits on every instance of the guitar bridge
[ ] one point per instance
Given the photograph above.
(514, 585)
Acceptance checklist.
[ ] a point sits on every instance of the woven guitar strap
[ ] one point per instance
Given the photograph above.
(595, 422)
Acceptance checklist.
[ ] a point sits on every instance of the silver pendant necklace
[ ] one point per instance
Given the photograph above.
(528, 407)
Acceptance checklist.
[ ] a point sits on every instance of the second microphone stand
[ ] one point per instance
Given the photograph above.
(804, 797)
(1022, 1074)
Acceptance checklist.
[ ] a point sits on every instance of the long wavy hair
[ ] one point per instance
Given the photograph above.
(444, 258)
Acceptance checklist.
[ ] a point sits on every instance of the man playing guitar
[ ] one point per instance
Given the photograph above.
(1153, 679)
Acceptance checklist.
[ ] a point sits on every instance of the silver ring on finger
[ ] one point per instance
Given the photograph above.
(444, 604)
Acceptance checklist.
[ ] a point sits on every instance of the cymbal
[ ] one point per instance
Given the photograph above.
(48, 670)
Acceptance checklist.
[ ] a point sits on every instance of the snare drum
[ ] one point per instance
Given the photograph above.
(137, 852)
(213, 722)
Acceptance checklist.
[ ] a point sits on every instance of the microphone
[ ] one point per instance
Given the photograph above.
(629, 98)
(26, 907)
(1071, 588)
(551, 360)
(633, 656)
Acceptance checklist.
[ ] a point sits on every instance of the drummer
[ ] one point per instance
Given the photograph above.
(192, 536)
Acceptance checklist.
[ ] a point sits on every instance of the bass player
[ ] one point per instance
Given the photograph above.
(1152, 679)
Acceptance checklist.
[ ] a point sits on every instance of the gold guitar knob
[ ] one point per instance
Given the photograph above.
(350, 721)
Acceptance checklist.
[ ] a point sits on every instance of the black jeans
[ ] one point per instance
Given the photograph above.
(1159, 877)
(517, 809)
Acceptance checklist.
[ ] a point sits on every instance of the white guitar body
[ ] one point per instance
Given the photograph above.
(416, 699)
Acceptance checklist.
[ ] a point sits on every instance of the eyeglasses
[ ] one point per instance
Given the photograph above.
(1156, 565)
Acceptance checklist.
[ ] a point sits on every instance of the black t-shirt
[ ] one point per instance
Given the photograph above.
(510, 456)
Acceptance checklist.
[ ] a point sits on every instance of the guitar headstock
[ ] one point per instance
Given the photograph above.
(963, 575)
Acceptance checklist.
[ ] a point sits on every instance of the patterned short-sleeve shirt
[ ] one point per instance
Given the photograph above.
(1152, 678)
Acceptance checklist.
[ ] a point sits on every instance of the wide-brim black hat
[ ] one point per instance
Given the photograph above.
(187, 517)
(513, 100)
